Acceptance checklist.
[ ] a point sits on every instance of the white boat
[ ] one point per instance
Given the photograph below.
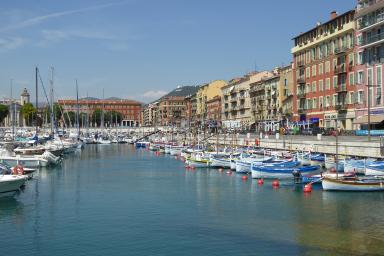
(221, 162)
(175, 150)
(244, 165)
(10, 182)
(375, 168)
(354, 184)
(30, 162)
(167, 149)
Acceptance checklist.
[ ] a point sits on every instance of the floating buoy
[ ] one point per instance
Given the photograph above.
(307, 188)
(260, 182)
(275, 183)
(244, 177)
(192, 167)
(187, 167)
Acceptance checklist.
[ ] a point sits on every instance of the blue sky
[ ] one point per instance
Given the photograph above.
(140, 49)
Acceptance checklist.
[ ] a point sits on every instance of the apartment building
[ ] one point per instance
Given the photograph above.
(370, 58)
(286, 89)
(323, 70)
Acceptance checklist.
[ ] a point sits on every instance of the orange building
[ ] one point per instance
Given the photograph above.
(130, 109)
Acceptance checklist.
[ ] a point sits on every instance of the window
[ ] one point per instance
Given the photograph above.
(351, 99)
(360, 58)
(327, 103)
(320, 68)
(334, 81)
(314, 86)
(314, 103)
(360, 97)
(321, 102)
(314, 70)
(360, 77)
(308, 88)
(351, 78)
(308, 72)
(328, 84)
(378, 83)
(351, 59)
(321, 86)
(335, 101)
(327, 66)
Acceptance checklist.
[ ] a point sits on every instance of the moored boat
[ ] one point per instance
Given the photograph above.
(353, 184)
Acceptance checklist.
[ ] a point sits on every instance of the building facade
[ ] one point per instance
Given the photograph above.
(129, 109)
(15, 116)
(149, 114)
(370, 58)
(286, 89)
(323, 70)
(214, 111)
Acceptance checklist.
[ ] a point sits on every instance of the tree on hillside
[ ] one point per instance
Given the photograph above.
(4, 112)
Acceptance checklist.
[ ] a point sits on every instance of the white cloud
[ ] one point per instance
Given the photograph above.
(153, 95)
(61, 35)
(10, 43)
(42, 18)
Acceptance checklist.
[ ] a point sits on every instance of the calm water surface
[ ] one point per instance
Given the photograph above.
(115, 200)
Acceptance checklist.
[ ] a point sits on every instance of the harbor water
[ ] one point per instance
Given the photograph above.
(116, 200)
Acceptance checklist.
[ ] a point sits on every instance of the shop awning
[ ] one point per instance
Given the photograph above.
(375, 119)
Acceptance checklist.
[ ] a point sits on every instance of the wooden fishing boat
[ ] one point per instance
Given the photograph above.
(353, 184)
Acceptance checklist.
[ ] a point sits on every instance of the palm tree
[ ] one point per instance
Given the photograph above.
(29, 112)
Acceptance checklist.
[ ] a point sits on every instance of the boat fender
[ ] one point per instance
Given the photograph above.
(18, 170)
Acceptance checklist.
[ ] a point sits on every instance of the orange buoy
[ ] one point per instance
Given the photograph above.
(260, 182)
(244, 177)
(275, 183)
(307, 188)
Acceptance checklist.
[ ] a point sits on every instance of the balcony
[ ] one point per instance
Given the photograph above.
(301, 80)
(301, 111)
(300, 63)
(341, 107)
(340, 50)
(301, 94)
(373, 40)
(341, 88)
(340, 69)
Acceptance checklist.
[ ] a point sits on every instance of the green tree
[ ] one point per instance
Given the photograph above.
(112, 116)
(96, 117)
(28, 112)
(70, 118)
(4, 112)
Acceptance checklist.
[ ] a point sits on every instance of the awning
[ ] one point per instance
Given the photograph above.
(375, 119)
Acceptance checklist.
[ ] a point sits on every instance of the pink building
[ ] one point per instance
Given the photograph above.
(370, 58)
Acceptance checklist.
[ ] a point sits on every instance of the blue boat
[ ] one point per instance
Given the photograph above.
(278, 172)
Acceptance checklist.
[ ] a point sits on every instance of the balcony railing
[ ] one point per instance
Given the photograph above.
(301, 80)
(372, 39)
(340, 69)
(341, 88)
(340, 50)
(301, 94)
(370, 22)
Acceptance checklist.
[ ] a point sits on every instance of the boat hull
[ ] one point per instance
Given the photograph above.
(221, 163)
(351, 185)
(10, 183)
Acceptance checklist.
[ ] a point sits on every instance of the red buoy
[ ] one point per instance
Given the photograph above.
(275, 183)
(187, 167)
(260, 182)
(307, 188)
(244, 177)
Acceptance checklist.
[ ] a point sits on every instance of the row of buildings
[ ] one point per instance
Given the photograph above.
(335, 77)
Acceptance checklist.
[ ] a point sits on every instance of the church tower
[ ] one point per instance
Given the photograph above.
(25, 97)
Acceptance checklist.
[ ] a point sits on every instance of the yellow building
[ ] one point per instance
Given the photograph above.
(206, 93)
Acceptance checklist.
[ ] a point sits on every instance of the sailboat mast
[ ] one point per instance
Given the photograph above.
(37, 99)
(52, 113)
(78, 111)
(13, 107)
